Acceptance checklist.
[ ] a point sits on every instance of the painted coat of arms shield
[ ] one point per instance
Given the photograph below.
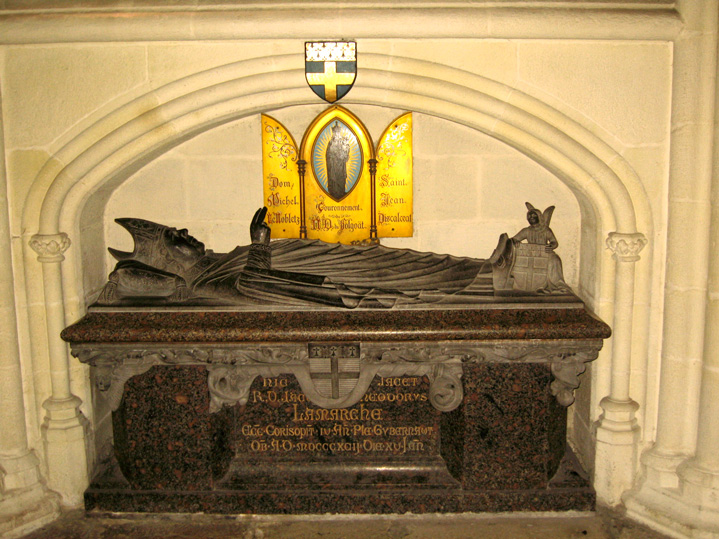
(331, 68)
(334, 369)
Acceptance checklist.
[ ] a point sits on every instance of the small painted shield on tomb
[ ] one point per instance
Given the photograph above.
(331, 68)
(334, 369)
(530, 266)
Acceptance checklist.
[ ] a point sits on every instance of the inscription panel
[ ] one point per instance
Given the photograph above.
(393, 418)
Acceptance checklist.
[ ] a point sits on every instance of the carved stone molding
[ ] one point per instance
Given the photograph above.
(417, 353)
(50, 247)
(116, 364)
(626, 247)
(233, 368)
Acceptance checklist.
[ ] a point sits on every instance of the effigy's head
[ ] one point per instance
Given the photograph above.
(159, 246)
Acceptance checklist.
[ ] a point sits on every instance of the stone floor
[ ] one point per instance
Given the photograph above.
(600, 525)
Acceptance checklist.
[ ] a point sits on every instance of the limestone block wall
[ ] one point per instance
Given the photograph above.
(605, 113)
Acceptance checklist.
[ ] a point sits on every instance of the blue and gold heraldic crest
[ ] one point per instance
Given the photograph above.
(331, 68)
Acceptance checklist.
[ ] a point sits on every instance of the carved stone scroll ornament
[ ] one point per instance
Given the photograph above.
(228, 386)
(441, 364)
(445, 390)
(113, 369)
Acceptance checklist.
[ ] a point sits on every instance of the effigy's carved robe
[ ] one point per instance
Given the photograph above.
(315, 272)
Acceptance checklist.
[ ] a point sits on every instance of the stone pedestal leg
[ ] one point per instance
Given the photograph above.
(65, 429)
(25, 503)
(617, 430)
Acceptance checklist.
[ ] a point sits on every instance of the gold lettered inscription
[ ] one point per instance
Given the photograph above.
(393, 418)
(281, 187)
(394, 179)
(337, 148)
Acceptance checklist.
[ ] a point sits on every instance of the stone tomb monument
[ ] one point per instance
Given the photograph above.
(296, 376)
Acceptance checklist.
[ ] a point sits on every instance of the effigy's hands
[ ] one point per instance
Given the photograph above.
(259, 230)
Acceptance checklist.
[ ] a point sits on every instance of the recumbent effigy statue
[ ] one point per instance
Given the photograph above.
(169, 266)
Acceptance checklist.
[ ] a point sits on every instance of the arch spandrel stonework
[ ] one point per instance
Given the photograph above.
(217, 96)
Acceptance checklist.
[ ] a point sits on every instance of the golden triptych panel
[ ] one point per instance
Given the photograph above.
(336, 186)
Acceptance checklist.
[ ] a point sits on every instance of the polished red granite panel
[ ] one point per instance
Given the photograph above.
(497, 452)
(328, 326)
(164, 436)
(509, 433)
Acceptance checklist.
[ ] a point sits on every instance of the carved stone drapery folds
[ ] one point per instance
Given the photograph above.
(233, 368)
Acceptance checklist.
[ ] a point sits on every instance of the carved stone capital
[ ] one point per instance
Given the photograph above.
(50, 247)
(626, 247)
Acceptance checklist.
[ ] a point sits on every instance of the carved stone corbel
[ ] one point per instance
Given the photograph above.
(113, 370)
(228, 385)
(566, 369)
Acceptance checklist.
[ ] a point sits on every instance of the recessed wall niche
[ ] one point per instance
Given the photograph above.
(468, 187)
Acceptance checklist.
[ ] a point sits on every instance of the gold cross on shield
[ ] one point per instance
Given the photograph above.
(330, 79)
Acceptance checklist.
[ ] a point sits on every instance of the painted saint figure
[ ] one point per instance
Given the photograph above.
(336, 157)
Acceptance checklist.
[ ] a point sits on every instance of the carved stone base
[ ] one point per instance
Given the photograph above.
(501, 449)
(570, 492)
(24, 510)
(339, 412)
